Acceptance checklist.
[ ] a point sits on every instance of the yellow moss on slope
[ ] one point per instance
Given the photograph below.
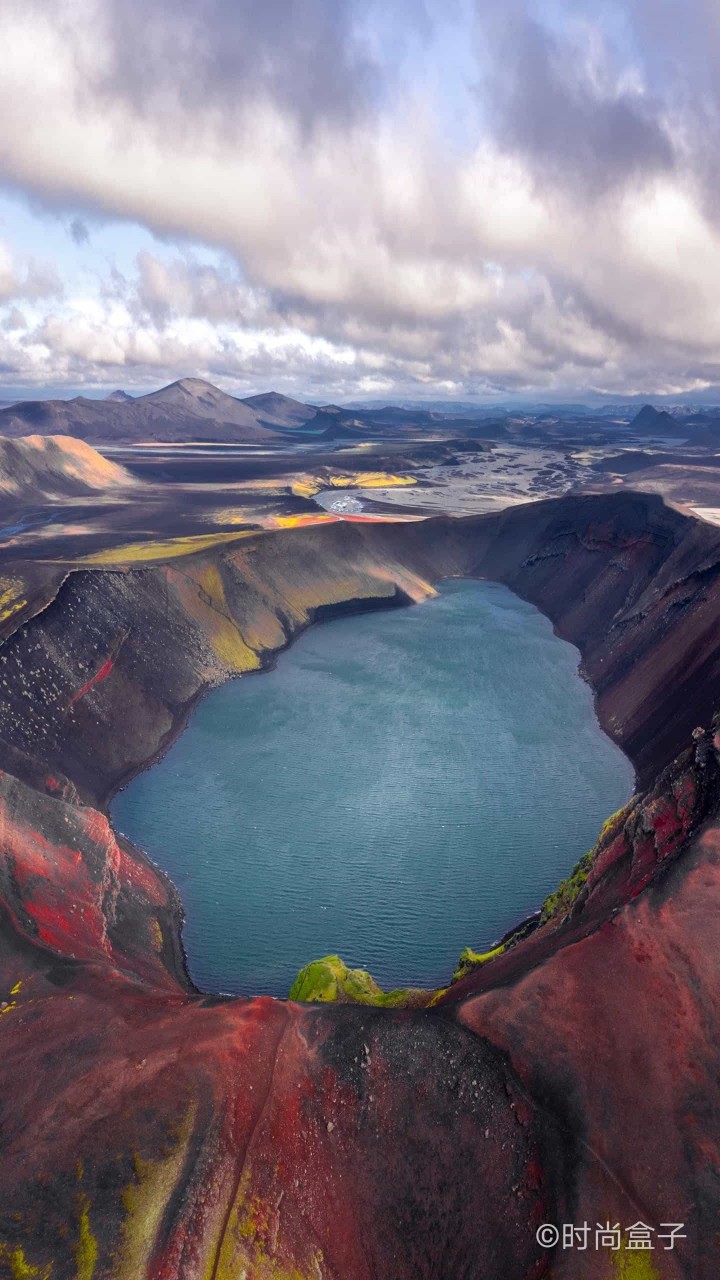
(249, 1246)
(168, 549)
(19, 1267)
(86, 1250)
(145, 1201)
(634, 1264)
(12, 598)
(202, 595)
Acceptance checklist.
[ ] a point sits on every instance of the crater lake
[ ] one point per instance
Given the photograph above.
(404, 783)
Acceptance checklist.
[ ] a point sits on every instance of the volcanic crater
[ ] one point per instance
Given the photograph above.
(569, 1075)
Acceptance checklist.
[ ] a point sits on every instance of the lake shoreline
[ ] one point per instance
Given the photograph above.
(397, 819)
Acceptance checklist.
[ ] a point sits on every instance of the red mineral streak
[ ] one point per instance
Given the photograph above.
(100, 675)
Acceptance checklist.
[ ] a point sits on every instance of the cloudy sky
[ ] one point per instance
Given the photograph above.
(349, 199)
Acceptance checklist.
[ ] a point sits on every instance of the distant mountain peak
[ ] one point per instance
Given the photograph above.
(652, 419)
(193, 387)
(119, 396)
(192, 395)
(273, 399)
(274, 408)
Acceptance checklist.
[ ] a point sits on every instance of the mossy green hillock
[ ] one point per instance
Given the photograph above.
(330, 979)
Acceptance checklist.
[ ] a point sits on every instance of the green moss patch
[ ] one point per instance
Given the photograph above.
(561, 900)
(470, 959)
(330, 979)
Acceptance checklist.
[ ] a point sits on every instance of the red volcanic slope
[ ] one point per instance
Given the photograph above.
(188, 1136)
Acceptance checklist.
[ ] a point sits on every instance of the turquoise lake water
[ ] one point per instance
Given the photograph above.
(403, 784)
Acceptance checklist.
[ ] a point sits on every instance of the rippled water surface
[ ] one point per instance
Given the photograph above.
(403, 784)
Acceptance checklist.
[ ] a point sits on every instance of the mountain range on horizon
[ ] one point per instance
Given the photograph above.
(189, 409)
(194, 410)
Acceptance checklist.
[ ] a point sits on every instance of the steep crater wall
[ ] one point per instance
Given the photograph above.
(99, 683)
